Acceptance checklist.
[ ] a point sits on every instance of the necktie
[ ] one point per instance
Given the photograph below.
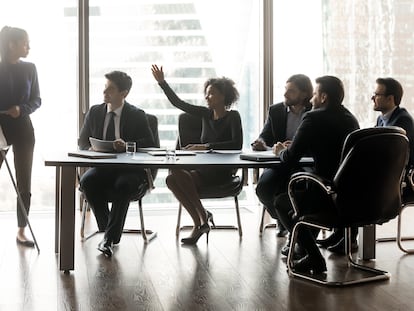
(110, 130)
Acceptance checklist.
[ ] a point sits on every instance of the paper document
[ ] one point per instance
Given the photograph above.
(101, 145)
(177, 153)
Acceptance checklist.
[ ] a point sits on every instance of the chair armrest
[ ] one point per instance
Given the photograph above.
(409, 178)
(325, 184)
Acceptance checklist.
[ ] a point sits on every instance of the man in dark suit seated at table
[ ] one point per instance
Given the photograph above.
(281, 124)
(321, 135)
(118, 121)
(387, 98)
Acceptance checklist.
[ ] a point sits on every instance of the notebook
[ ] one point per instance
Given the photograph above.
(259, 156)
(89, 154)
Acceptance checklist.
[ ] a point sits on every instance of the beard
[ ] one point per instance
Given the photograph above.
(290, 103)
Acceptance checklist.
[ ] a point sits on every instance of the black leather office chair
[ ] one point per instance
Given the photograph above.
(142, 190)
(366, 190)
(189, 132)
(407, 198)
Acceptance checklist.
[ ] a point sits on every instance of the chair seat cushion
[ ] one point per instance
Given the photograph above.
(232, 187)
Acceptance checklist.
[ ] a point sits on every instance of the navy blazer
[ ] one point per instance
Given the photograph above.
(274, 129)
(321, 135)
(400, 117)
(134, 126)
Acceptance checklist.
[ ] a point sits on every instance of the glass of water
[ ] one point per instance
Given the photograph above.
(131, 147)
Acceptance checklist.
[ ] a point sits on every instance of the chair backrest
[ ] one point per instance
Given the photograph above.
(189, 130)
(153, 123)
(368, 181)
(358, 134)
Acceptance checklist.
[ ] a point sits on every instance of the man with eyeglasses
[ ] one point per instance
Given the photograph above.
(387, 99)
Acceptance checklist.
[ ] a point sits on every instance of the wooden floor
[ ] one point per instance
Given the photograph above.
(227, 274)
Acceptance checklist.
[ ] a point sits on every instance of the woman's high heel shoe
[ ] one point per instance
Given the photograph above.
(197, 234)
(210, 219)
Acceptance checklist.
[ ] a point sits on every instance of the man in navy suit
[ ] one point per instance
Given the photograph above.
(387, 99)
(118, 121)
(321, 135)
(281, 124)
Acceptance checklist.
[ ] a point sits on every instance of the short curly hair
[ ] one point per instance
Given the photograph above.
(226, 87)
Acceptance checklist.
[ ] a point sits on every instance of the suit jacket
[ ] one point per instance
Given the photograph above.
(134, 126)
(321, 135)
(401, 117)
(274, 129)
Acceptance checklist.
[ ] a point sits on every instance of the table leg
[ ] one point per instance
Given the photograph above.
(366, 250)
(57, 208)
(67, 218)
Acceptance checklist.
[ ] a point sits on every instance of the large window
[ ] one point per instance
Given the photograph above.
(358, 41)
(52, 28)
(193, 41)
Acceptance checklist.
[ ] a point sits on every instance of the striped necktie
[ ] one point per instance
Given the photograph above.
(110, 130)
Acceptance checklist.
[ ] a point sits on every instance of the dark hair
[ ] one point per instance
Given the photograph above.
(304, 84)
(10, 34)
(121, 80)
(225, 87)
(392, 87)
(333, 87)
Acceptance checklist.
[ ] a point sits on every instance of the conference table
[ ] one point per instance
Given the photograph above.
(66, 170)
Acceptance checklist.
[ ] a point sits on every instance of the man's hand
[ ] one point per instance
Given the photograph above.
(119, 145)
(259, 145)
(278, 148)
(196, 147)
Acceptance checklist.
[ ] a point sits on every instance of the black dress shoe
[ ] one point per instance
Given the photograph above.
(105, 246)
(331, 240)
(27, 243)
(298, 253)
(281, 231)
(308, 264)
(339, 248)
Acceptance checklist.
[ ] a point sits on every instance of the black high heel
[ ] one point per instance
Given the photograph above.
(210, 219)
(200, 231)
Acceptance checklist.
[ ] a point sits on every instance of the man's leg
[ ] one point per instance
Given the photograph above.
(94, 183)
(272, 182)
(125, 187)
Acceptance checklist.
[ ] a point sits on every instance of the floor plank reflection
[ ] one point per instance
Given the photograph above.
(227, 274)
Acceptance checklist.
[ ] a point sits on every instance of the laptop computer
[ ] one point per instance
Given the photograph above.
(259, 156)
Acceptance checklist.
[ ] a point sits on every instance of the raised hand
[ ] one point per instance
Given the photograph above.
(157, 73)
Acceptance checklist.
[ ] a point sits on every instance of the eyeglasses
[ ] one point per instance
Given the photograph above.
(378, 95)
